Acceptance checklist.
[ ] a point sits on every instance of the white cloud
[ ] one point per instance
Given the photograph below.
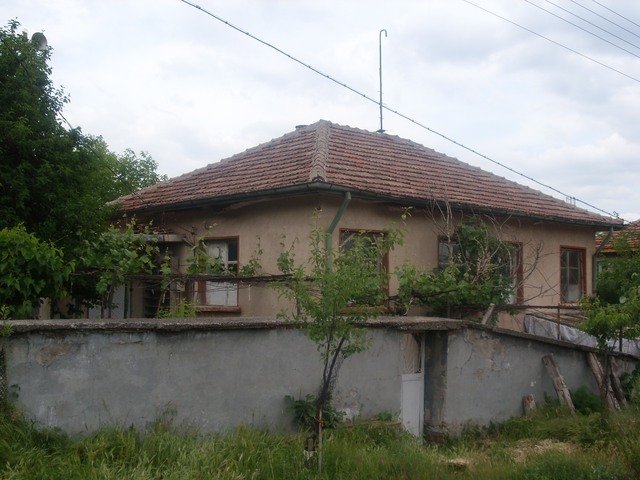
(163, 77)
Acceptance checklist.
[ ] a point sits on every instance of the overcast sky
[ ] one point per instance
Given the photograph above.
(161, 76)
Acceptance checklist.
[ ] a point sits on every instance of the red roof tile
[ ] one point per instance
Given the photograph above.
(362, 161)
(630, 233)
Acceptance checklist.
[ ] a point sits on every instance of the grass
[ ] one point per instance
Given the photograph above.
(547, 445)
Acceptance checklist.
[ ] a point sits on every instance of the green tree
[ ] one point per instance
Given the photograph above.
(54, 181)
(133, 172)
(614, 312)
(619, 273)
(43, 168)
(478, 273)
(29, 269)
(334, 296)
(107, 261)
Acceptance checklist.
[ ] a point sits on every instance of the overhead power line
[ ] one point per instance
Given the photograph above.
(616, 13)
(394, 111)
(606, 19)
(592, 24)
(552, 41)
(581, 28)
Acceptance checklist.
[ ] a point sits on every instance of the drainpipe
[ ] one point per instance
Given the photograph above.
(594, 273)
(328, 236)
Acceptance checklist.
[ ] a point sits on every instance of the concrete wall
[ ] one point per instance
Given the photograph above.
(290, 221)
(480, 375)
(214, 380)
(219, 375)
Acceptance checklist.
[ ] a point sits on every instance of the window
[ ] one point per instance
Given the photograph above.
(515, 273)
(347, 238)
(572, 275)
(449, 248)
(224, 252)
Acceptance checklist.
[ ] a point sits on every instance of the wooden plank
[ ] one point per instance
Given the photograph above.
(558, 382)
(615, 383)
(488, 313)
(598, 373)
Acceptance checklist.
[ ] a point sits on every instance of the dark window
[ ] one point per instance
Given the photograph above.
(447, 249)
(572, 275)
(515, 273)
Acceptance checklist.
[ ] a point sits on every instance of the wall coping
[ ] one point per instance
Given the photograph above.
(413, 324)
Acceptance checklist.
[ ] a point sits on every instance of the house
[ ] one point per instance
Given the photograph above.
(630, 235)
(265, 198)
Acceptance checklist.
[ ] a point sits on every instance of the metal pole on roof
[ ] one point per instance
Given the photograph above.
(380, 70)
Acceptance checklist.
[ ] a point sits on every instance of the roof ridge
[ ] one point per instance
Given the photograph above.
(318, 171)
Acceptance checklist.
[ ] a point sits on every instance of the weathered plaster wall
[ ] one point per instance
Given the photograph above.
(217, 375)
(214, 380)
(486, 374)
(290, 220)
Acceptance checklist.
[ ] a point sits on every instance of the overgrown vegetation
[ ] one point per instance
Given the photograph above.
(106, 261)
(55, 182)
(614, 312)
(478, 273)
(550, 444)
(29, 269)
(333, 294)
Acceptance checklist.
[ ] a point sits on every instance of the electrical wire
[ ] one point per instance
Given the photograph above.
(404, 116)
(616, 13)
(552, 41)
(581, 28)
(605, 18)
(592, 24)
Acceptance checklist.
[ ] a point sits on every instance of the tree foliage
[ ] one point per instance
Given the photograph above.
(56, 182)
(106, 261)
(29, 269)
(478, 273)
(334, 295)
(614, 312)
(621, 272)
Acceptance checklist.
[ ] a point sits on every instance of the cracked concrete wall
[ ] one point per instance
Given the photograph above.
(487, 374)
(212, 380)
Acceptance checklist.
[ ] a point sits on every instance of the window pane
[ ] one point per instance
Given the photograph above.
(222, 293)
(571, 275)
(446, 250)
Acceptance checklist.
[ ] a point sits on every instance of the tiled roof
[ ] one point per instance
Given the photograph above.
(631, 233)
(363, 162)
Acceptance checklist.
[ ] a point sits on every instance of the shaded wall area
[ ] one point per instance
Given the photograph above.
(208, 376)
(216, 375)
(478, 375)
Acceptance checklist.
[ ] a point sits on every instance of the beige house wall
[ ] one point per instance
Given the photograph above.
(270, 224)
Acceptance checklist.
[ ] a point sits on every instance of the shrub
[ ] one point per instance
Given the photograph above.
(585, 401)
(304, 411)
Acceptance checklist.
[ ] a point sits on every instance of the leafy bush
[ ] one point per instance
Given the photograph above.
(585, 401)
(631, 385)
(304, 412)
(182, 309)
(29, 269)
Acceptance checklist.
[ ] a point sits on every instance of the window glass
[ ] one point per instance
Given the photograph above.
(571, 274)
(447, 249)
(225, 294)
